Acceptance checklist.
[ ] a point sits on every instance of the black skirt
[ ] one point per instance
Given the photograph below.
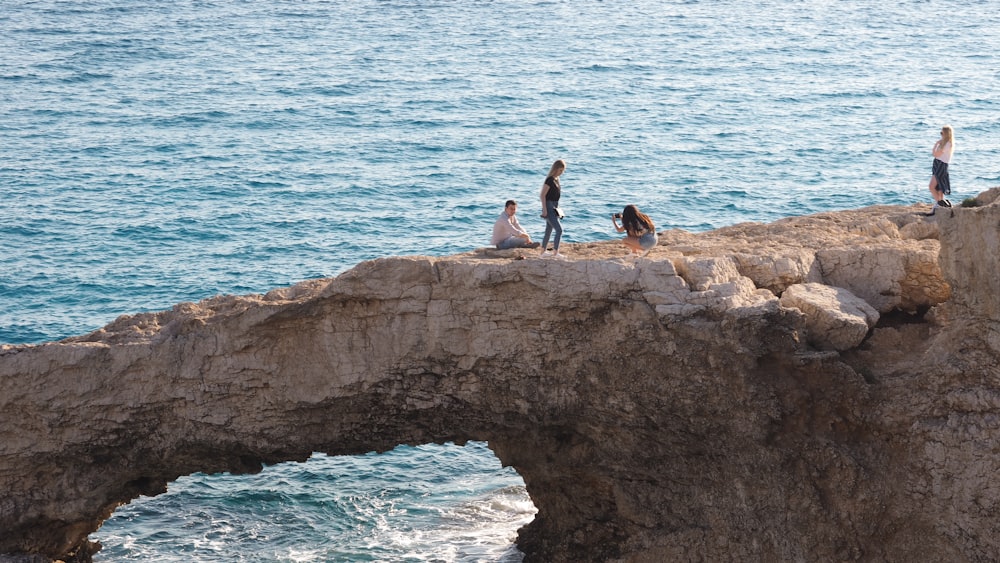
(940, 171)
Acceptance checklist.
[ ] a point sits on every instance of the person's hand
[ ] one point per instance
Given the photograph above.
(544, 214)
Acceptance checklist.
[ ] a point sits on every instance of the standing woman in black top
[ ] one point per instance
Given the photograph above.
(550, 204)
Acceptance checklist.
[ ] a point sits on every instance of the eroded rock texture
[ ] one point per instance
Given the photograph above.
(670, 408)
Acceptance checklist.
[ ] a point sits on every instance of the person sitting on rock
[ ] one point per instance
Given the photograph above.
(507, 231)
(641, 231)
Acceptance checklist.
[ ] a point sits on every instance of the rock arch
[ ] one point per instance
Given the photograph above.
(655, 408)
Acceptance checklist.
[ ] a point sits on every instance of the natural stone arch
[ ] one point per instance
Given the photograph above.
(402, 351)
(229, 383)
(653, 413)
(571, 390)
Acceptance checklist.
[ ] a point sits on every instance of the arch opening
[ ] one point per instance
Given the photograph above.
(450, 502)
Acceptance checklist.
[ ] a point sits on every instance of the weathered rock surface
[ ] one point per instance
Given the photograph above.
(836, 319)
(671, 408)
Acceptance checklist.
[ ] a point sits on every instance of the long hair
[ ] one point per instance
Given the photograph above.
(634, 220)
(558, 167)
(947, 136)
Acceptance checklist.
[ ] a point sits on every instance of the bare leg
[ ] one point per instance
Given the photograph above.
(938, 196)
(633, 244)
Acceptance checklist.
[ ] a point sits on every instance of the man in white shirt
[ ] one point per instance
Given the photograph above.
(507, 231)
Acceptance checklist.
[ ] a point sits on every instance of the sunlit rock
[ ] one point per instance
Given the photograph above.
(836, 319)
(664, 408)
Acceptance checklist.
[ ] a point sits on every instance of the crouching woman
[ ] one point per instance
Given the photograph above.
(641, 233)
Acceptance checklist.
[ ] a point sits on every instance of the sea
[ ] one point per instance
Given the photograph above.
(158, 152)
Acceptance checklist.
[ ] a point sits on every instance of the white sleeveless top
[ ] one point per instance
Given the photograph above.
(946, 156)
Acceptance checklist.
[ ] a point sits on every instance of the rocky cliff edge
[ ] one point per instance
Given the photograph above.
(818, 388)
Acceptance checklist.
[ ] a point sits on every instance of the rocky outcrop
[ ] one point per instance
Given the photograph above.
(836, 319)
(708, 402)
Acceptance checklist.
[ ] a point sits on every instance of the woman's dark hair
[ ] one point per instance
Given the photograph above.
(634, 220)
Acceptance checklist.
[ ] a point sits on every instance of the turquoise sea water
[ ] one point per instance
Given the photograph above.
(159, 152)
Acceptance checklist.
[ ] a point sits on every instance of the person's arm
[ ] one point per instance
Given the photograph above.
(941, 149)
(617, 227)
(545, 191)
(518, 230)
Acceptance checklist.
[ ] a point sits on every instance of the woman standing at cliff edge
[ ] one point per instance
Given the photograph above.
(940, 185)
(551, 191)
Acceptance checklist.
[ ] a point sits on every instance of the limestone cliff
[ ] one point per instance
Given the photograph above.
(816, 389)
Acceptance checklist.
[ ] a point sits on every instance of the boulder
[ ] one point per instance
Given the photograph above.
(835, 318)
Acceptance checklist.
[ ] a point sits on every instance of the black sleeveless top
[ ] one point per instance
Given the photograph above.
(554, 191)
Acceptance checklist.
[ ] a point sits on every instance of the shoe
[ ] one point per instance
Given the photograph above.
(546, 254)
(534, 244)
(944, 203)
(558, 256)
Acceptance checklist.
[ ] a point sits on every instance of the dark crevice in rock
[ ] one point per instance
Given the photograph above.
(897, 318)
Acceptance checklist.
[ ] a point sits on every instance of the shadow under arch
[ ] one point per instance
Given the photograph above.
(450, 502)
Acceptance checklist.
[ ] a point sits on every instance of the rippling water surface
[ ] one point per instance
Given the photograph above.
(158, 152)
